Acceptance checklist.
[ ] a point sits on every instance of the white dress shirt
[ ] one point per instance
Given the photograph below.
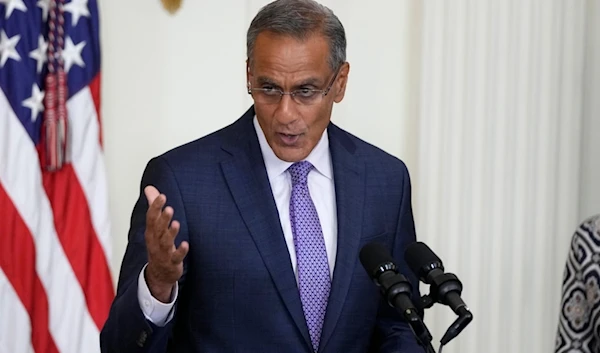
(322, 191)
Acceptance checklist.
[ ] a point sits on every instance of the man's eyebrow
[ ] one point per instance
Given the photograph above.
(266, 80)
(311, 81)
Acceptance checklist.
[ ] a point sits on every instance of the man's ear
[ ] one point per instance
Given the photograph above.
(340, 84)
(248, 72)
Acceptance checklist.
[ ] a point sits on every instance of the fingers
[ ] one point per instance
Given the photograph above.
(158, 220)
(172, 232)
(155, 208)
(162, 223)
(159, 235)
(180, 253)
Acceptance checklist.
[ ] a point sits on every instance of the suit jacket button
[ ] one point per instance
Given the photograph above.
(142, 339)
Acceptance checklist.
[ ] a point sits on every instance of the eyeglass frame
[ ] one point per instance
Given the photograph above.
(293, 93)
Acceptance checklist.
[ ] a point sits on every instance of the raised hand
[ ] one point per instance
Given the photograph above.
(165, 261)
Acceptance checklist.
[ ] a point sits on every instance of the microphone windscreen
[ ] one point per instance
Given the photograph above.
(373, 255)
(418, 256)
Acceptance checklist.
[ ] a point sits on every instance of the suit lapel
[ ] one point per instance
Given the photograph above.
(349, 180)
(247, 179)
(249, 184)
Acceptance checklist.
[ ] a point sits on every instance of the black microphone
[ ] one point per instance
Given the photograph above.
(445, 288)
(395, 288)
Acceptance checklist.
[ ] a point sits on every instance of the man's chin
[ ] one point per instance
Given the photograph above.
(291, 154)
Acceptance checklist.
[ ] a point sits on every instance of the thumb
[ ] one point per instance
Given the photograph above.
(151, 193)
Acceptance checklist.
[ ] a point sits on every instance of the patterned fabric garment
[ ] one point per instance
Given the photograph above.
(313, 269)
(579, 322)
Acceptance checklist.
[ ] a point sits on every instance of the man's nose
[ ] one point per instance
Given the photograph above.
(286, 110)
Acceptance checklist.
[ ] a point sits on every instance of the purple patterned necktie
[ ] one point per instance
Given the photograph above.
(313, 269)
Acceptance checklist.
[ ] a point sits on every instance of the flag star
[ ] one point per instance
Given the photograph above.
(40, 53)
(35, 102)
(8, 48)
(45, 6)
(12, 5)
(72, 54)
(77, 8)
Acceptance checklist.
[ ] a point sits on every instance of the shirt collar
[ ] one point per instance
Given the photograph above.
(319, 157)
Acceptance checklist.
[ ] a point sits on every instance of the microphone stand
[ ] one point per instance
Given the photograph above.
(445, 288)
(448, 284)
(411, 316)
(419, 329)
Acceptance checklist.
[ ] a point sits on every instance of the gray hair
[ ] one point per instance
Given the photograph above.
(300, 19)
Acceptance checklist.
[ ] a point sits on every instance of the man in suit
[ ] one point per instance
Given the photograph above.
(247, 240)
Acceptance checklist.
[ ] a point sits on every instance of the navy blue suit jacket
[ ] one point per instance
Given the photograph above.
(238, 292)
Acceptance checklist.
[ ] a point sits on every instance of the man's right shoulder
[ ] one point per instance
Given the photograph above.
(208, 148)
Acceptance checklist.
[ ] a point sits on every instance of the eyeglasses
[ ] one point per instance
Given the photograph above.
(303, 96)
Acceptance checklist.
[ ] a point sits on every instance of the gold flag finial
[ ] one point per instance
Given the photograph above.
(171, 5)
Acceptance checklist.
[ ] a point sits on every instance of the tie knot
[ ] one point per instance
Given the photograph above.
(299, 172)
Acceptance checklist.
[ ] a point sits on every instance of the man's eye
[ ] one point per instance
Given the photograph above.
(270, 90)
(305, 92)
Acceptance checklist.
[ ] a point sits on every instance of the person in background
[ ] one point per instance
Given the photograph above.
(248, 239)
(579, 321)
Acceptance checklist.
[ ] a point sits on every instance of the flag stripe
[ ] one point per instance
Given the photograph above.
(16, 333)
(70, 323)
(95, 91)
(88, 165)
(76, 234)
(88, 162)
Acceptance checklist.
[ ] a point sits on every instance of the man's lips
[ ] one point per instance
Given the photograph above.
(288, 139)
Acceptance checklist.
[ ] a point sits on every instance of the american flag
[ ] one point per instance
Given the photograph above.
(55, 283)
